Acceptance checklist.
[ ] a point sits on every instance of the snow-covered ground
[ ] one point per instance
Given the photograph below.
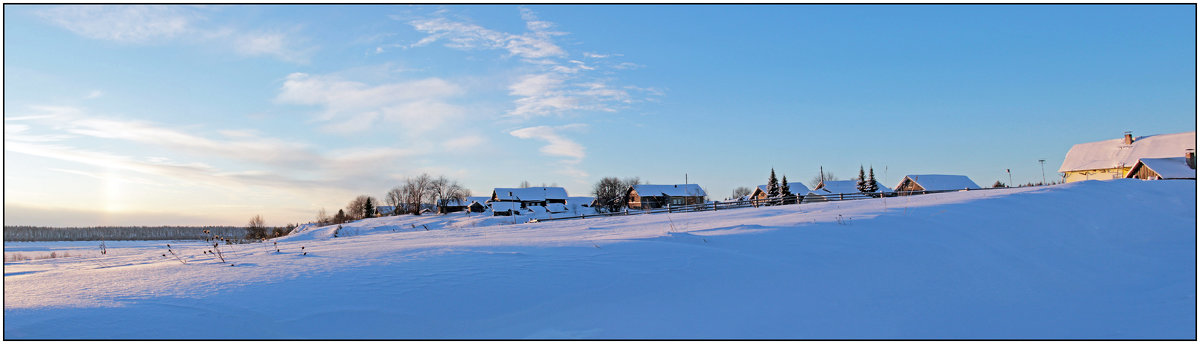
(1087, 260)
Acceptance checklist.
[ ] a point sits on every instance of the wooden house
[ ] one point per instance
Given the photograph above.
(1164, 168)
(658, 196)
(477, 204)
(1113, 159)
(523, 198)
(934, 182)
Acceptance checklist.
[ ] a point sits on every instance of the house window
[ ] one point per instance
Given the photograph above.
(676, 200)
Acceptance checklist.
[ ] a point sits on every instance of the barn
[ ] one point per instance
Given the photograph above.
(1164, 168)
(657, 196)
(1113, 159)
(934, 182)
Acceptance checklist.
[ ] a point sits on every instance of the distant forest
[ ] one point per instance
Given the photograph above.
(31, 233)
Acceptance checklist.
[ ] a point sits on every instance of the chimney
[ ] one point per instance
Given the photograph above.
(1190, 156)
(1128, 137)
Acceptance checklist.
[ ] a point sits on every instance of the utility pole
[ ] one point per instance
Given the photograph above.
(1009, 176)
(1043, 161)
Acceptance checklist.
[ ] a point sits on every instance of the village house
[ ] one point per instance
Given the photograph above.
(506, 200)
(934, 182)
(1164, 168)
(477, 204)
(1112, 159)
(658, 196)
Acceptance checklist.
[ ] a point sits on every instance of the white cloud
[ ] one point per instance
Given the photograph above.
(130, 24)
(148, 24)
(556, 144)
(350, 106)
(561, 85)
(464, 143)
(94, 94)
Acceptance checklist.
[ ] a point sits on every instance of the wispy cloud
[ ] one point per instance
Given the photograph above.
(350, 106)
(155, 24)
(556, 143)
(289, 165)
(560, 84)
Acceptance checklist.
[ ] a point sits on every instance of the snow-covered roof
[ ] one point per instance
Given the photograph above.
(795, 188)
(454, 202)
(932, 182)
(582, 200)
(480, 200)
(384, 209)
(505, 206)
(646, 190)
(556, 207)
(1115, 153)
(843, 187)
(530, 194)
(1167, 168)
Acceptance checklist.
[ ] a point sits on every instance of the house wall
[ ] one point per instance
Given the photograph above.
(1100, 174)
(908, 185)
(1144, 173)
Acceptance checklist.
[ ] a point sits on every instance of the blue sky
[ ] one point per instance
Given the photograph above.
(212, 114)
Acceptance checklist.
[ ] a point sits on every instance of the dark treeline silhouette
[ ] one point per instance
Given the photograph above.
(34, 233)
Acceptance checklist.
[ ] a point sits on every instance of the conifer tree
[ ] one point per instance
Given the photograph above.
(772, 185)
(783, 187)
(862, 180)
(872, 184)
(368, 209)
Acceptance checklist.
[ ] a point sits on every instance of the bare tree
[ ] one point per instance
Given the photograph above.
(741, 191)
(256, 228)
(322, 217)
(395, 198)
(437, 189)
(525, 184)
(357, 208)
(610, 192)
(822, 176)
(416, 191)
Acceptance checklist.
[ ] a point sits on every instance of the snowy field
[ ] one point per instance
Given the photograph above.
(1087, 260)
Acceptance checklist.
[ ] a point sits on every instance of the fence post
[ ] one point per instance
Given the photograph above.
(668, 208)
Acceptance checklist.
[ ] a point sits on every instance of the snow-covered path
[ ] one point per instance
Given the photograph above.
(1089, 260)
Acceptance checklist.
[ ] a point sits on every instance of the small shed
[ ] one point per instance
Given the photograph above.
(657, 196)
(451, 205)
(934, 182)
(1162, 168)
(502, 208)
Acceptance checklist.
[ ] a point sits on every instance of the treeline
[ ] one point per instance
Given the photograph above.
(33, 233)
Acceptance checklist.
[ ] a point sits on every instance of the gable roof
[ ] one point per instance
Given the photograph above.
(843, 187)
(530, 194)
(796, 188)
(674, 190)
(1167, 168)
(1115, 153)
(933, 182)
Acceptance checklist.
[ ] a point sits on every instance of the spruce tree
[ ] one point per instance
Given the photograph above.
(772, 185)
(872, 184)
(862, 180)
(784, 189)
(368, 208)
